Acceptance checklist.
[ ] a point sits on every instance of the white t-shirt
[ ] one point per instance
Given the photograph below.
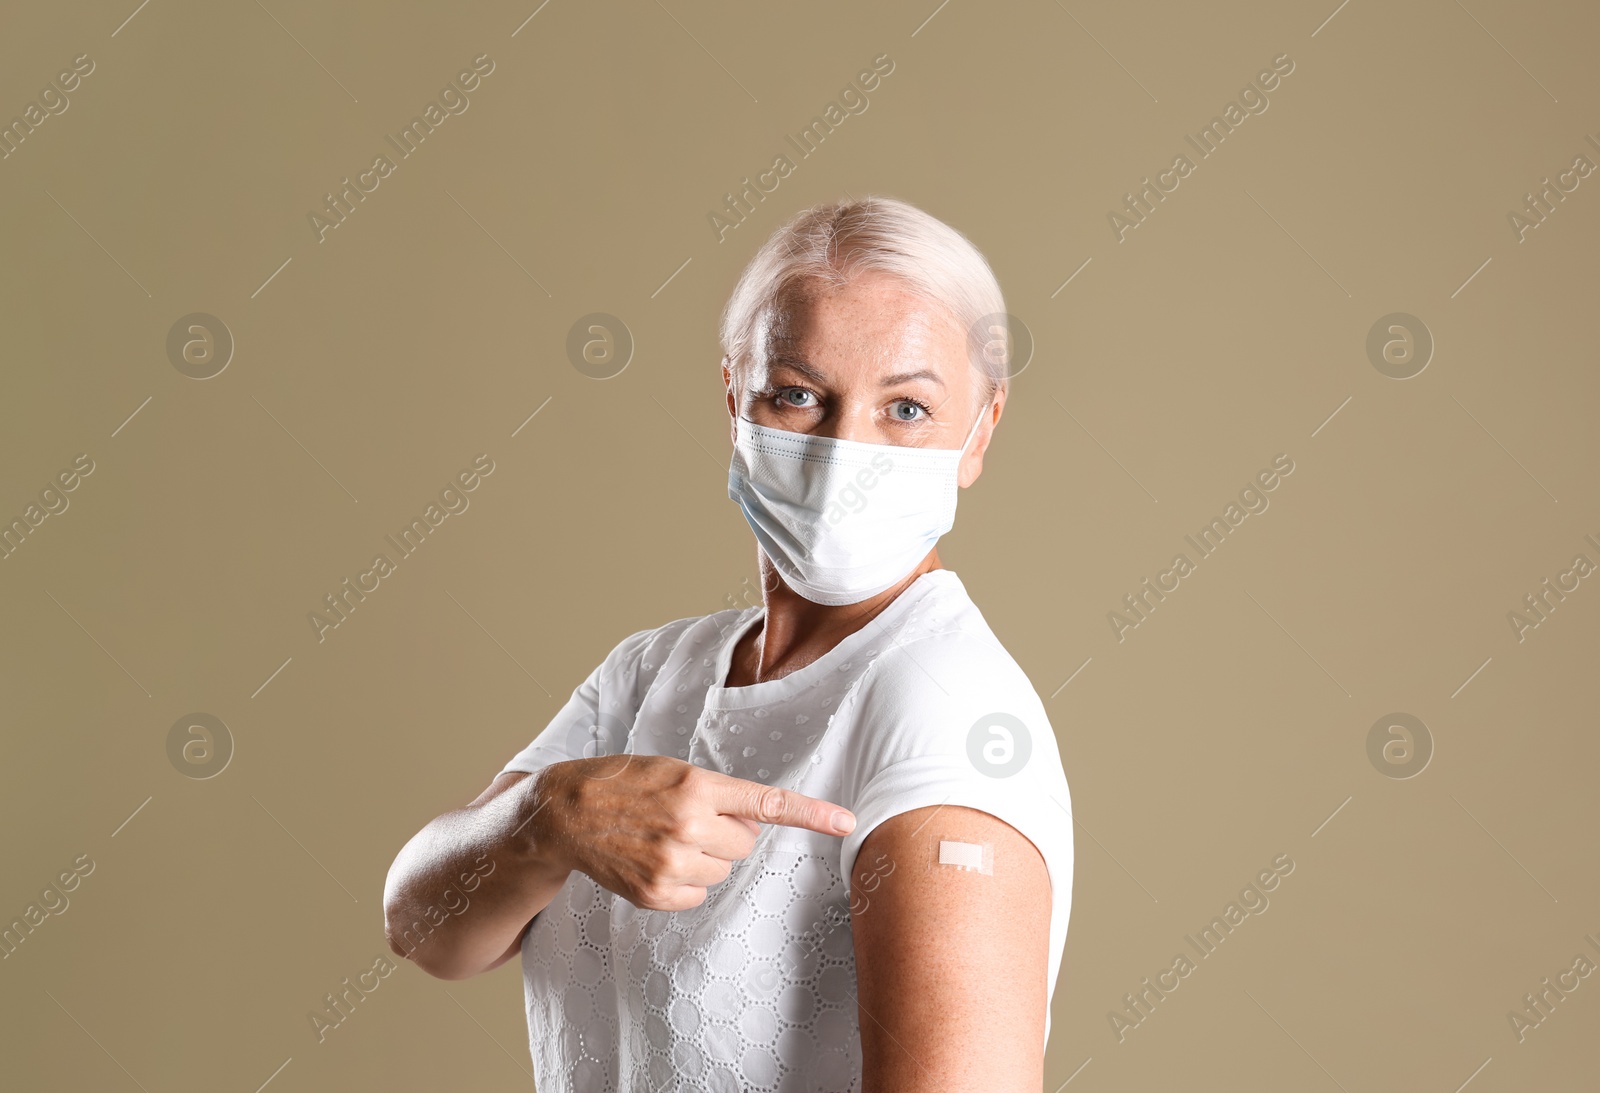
(755, 988)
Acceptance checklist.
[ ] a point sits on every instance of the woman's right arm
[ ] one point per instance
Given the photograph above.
(655, 830)
(461, 894)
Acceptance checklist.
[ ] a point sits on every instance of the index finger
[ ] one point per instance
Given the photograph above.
(772, 805)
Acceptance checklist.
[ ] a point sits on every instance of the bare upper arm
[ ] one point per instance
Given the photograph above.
(951, 964)
(501, 782)
(513, 949)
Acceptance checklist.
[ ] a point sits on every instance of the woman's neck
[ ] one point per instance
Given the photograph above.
(794, 631)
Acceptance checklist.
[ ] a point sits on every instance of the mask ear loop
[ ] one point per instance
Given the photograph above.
(974, 430)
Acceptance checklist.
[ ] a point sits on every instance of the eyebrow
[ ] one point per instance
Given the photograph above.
(888, 381)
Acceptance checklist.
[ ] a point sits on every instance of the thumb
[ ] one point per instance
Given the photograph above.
(771, 805)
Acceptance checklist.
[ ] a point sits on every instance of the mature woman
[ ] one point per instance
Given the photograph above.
(823, 843)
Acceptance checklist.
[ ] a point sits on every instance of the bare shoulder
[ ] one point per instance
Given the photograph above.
(950, 913)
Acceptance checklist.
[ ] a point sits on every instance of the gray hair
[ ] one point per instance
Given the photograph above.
(832, 243)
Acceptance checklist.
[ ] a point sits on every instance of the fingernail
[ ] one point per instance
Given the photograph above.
(844, 823)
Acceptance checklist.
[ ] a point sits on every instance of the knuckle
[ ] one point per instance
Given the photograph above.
(687, 831)
(770, 804)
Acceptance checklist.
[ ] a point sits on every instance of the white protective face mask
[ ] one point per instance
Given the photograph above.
(842, 520)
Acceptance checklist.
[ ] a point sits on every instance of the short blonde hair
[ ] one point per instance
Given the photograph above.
(833, 243)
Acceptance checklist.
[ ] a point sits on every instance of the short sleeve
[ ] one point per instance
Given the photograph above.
(598, 716)
(951, 719)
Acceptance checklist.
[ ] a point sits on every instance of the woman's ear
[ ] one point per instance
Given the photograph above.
(972, 463)
(732, 393)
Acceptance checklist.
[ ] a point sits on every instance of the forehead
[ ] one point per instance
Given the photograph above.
(873, 315)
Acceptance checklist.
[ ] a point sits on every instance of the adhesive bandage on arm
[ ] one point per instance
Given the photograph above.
(969, 857)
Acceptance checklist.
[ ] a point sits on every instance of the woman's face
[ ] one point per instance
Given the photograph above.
(871, 362)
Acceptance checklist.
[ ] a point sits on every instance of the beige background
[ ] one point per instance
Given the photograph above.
(376, 364)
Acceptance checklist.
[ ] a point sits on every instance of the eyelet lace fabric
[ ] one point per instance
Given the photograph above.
(754, 989)
(754, 992)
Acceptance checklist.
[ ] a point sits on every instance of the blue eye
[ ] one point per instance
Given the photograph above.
(906, 410)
